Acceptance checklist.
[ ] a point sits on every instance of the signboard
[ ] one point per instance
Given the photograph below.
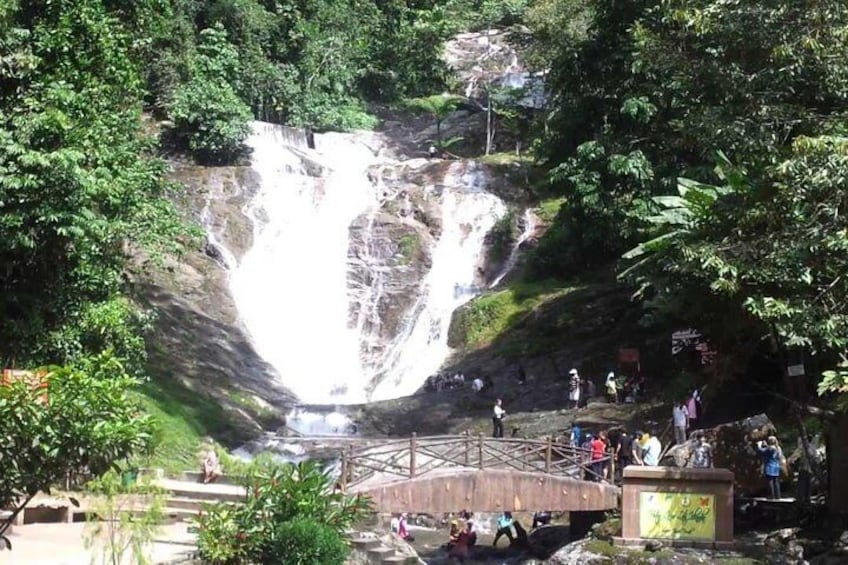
(676, 515)
(33, 379)
(795, 370)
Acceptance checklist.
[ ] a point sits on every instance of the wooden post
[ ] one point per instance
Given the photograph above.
(467, 446)
(548, 450)
(350, 462)
(412, 456)
(480, 451)
(612, 466)
(343, 477)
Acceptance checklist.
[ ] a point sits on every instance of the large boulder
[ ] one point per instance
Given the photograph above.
(733, 448)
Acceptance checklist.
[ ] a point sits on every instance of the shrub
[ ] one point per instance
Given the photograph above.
(211, 118)
(306, 542)
(278, 498)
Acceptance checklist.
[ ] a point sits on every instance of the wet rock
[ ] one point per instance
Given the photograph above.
(734, 449)
(654, 546)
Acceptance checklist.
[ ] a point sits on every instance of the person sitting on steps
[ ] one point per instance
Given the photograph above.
(211, 467)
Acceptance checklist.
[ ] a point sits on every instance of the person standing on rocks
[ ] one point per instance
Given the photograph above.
(497, 419)
(771, 453)
(505, 522)
(692, 409)
(574, 388)
(702, 454)
(680, 419)
(611, 388)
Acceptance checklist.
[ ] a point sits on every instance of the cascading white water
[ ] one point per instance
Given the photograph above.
(529, 222)
(292, 286)
(420, 349)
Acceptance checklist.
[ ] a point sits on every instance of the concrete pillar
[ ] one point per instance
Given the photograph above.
(682, 504)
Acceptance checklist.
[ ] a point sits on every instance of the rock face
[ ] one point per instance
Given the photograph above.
(197, 345)
(733, 448)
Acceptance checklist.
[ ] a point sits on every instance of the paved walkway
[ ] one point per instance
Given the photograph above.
(63, 544)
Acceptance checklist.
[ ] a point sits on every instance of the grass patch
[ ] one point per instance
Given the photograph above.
(183, 418)
(549, 208)
(506, 158)
(484, 319)
(408, 246)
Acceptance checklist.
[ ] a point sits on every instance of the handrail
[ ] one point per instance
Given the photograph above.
(415, 456)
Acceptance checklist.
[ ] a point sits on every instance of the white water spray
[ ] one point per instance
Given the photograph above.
(292, 287)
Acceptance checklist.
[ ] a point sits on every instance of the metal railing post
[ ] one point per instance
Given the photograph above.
(412, 442)
(350, 462)
(467, 441)
(548, 450)
(480, 451)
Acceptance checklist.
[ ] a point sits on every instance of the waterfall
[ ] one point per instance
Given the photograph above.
(529, 228)
(292, 287)
(420, 349)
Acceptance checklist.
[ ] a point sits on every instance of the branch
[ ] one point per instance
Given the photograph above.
(5, 525)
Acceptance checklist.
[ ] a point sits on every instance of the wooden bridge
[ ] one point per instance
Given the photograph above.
(447, 473)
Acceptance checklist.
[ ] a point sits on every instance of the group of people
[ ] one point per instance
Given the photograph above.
(616, 389)
(684, 416)
(458, 380)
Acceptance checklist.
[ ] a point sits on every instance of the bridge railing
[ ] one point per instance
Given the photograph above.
(403, 459)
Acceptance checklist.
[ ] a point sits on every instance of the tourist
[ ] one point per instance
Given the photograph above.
(636, 452)
(771, 454)
(651, 450)
(454, 530)
(680, 419)
(576, 435)
(599, 448)
(702, 454)
(574, 388)
(497, 419)
(461, 543)
(394, 524)
(402, 530)
(477, 384)
(612, 388)
(624, 450)
(541, 519)
(504, 528)
(521, 376)
(692, 410)
(211, 467)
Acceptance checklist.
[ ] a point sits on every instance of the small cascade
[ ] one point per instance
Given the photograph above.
(311, 422)
(529, 227)
(418, 351)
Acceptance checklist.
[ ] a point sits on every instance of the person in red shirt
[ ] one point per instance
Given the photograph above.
(599, 448)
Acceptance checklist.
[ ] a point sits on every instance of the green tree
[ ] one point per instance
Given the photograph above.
(206, 110)
(438, 106)
(87, 420)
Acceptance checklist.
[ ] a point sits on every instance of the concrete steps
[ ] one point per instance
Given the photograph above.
(372, 548)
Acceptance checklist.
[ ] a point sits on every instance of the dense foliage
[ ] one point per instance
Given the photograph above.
(648, 92)
(83, 418)
(291, 515)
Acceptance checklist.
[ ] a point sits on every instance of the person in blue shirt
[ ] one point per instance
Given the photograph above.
(504, 528)
(771, 453)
